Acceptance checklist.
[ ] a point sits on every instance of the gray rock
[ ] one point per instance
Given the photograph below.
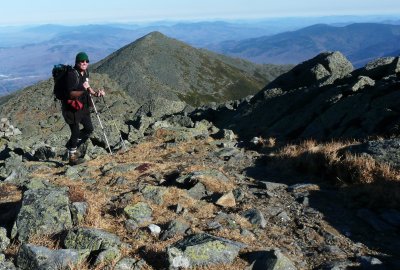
(158, 107)
(79, 211)
(128, 263)
(180, 121)
(198, 191)
(196, 176)
(73, 173)
(14, 169)
(45, 152)
(32, 257)
(140, 212)
(270, 186)
(154, 193)
(107, 256)
(91, 239)
(227, 152)
(361, 83)
(131, 225)
(323, 69)
(175, 227)
(202, 250)
(368, 262)
(284, 217)
(271, 260)
(4, 240)
(43, 212)
(7, 265)
(337, 265)
(379, 68)
(255, 217)
(303, 187)
(112, 169)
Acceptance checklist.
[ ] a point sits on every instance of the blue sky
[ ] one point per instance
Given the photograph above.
(15, 12)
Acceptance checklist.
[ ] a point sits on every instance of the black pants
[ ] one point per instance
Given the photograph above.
(83, 134)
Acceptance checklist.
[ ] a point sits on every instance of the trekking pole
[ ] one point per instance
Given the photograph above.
(101, 125)
(115, 125)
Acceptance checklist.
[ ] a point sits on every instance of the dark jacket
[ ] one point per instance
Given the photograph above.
(75, 83)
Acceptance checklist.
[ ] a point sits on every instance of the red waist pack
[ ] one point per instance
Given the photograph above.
(75, 104)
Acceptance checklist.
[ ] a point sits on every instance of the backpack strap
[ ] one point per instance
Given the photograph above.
(73, 70)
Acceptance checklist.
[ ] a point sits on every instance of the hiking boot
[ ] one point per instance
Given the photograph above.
(74, 159)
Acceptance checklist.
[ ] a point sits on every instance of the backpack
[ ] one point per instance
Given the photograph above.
(60, 77)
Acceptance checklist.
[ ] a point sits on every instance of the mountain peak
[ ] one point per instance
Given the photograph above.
(157, 66)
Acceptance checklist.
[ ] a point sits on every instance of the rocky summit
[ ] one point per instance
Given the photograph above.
(302, 175)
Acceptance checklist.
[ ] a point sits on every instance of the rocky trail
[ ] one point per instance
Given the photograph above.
(172, 202)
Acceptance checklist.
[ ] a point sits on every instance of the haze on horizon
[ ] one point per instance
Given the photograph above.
(20, 12)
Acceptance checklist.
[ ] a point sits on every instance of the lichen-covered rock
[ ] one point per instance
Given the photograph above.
(107, 256)
(154, 193)
(91, 239)
(139, 212)
(128, 263)
(79, 211)
(43, 212)
(4, 241)
(32, 257)
(7, 265)
(202, 250)
(271, 260)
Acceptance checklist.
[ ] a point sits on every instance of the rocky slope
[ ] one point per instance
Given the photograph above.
(322, 98)
(184, 196)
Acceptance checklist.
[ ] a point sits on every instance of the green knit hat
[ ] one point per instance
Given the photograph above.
(81, 57)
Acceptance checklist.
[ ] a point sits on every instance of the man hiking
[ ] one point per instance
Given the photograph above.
(76, 109)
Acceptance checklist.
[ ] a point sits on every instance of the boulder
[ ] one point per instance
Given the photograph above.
(91, 239)
(379, 68)
(140, 212)
(175, 227)
(323, 69)
(270, 259)
(43, 212)
(32, 257)
(202, 250)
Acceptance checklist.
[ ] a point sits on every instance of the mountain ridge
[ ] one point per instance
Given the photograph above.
(297, 46)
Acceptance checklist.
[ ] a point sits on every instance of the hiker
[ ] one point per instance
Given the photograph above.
(76, 110)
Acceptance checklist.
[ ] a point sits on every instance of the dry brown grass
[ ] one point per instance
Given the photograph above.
(9, 193)
(329, 161)
(49, 241)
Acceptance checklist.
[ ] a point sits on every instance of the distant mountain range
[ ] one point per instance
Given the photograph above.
(360, 43)
(28, 54)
